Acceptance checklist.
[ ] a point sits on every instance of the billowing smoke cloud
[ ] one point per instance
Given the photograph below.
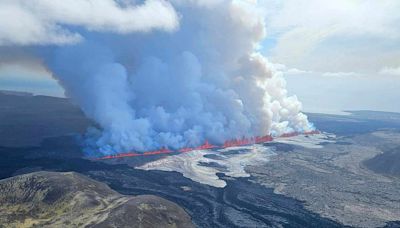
(203, 79)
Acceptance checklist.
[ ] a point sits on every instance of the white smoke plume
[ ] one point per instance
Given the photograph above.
(202, 79)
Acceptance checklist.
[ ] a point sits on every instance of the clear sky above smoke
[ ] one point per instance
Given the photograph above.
(347, 51)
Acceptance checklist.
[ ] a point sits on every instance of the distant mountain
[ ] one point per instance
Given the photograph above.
(51, 199)
(26, 120)
(356, 122)
(376, 115)
(15, 93)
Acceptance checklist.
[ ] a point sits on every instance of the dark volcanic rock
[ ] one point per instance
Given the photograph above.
(51, 199)
(386, 163)
(27, 120)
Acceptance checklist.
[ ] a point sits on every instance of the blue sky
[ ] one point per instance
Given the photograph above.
(22, 78)
(335, 55)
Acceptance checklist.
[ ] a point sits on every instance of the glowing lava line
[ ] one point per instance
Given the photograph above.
(207, 146)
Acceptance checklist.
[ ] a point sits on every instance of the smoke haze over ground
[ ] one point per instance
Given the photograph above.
(166, 73)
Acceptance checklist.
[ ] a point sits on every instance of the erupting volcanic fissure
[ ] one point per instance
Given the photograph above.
(175, 85)
(207, 146)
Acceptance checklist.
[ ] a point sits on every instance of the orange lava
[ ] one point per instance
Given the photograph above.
(207, 146)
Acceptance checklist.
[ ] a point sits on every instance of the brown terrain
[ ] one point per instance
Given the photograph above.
(51, 199)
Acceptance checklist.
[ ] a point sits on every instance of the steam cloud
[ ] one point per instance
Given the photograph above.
(175, 84)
